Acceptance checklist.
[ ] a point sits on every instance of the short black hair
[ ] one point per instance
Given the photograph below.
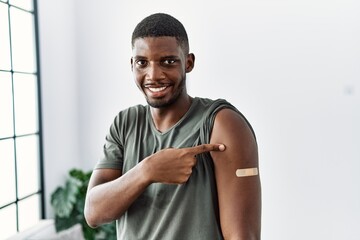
(161, 25)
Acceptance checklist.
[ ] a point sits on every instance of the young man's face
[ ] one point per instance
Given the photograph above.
(160, 66)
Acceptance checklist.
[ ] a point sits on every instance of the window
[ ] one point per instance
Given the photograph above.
(21, 176)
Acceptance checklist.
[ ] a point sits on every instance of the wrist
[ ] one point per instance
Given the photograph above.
(145, 170)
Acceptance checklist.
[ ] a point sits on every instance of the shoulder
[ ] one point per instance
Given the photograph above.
(232, 119)
(211, 107)
(233, 129)
(222, 114)
(228, 117)
(208, 103)
(132, 112)
(126, 118)
(215, 106)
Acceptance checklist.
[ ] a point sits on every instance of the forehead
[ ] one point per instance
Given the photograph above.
(156, 45)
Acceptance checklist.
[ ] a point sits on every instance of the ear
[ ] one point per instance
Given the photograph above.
(190, 62)
(132, 63)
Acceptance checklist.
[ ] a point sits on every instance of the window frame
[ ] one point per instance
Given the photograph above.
(39, 133)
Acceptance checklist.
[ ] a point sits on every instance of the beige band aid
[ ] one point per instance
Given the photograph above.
(246, 172)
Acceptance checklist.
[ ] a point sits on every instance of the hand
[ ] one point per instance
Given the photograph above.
(174, 165)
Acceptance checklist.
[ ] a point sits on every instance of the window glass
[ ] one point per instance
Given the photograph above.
(22, 40)
(6, 106)
(27, 156)
(8, 221)
(25, 100)
(29, 212)
(7, 172)
(24, 4)
(5, 63)
(20, 159)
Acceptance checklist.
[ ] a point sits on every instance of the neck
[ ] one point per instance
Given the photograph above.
(165, 118)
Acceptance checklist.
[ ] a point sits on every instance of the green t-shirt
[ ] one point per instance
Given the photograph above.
(163, 211)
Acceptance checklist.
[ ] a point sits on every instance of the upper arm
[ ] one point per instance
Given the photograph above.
(239, 197)
(98, 177)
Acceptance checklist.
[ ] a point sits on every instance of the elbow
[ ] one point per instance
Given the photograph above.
(94, 220)
(90, 216)
(95, 217)
(90, 219)
(91, 223)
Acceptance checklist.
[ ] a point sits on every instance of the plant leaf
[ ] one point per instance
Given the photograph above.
(68, 204)
(63, 199)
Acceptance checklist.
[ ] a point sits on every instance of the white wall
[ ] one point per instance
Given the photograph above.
(59, 85)
(292, 67)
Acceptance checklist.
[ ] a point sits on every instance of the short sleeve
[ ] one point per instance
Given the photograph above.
(214, 108)
(113, 151)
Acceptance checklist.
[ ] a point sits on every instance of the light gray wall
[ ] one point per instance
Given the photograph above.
(292, 67)
(59, 83)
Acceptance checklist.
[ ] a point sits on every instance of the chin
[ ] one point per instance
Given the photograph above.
(159, 103)
(163, 103)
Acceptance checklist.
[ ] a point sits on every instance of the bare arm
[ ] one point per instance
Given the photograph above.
(239, 197)
(110, 193)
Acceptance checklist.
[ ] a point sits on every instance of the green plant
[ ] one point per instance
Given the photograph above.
(68, 204)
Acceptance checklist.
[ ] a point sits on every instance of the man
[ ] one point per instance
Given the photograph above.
(179, 167)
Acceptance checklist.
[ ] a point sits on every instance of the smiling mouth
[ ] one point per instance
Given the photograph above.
(157, 89)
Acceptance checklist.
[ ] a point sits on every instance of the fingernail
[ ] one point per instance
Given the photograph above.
(222, 147)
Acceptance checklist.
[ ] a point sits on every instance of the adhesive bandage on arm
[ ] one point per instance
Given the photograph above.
(247, 172)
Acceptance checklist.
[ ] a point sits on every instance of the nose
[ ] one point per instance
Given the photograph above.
(154, 72)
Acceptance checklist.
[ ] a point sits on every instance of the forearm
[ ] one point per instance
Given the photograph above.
(108, 201)
(110, 194)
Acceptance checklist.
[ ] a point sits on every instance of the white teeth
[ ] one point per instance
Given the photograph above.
(157, 89)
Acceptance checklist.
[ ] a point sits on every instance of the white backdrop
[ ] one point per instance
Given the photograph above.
(292, 67)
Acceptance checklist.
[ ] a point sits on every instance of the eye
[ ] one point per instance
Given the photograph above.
(169, 61)
(141, 62)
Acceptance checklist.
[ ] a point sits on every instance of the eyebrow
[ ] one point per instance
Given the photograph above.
(163, 57)
(170, 56)
(137, 57)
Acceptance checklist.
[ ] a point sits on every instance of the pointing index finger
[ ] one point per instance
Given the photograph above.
(207, 148)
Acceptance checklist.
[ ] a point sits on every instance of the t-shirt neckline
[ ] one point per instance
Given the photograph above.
(151, 122)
